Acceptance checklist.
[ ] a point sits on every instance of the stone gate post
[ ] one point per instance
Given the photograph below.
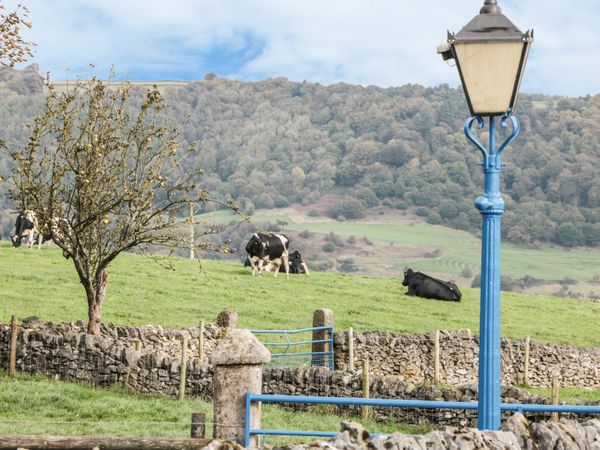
(321, 318)
(238, 361)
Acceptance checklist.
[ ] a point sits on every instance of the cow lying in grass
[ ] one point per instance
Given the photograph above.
(422, 285)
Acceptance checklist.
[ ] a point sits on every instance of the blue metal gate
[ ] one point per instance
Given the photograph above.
(287, 352)
(248, 432)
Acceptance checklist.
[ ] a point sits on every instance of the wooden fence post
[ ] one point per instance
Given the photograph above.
(350, 349)
(201, 341)
(183, 366)
(198, 425)
(526, 361)
(436, 358)
(365, 388)
(554, 415)
(12, 359)
(191, 231)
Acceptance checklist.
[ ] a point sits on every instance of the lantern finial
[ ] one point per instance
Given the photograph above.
(490, 7)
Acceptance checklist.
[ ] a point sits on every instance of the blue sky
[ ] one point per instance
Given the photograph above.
(380, 42)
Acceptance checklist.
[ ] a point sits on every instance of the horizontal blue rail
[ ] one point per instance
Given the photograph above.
(299, 354)
(517, 407)
(268, 398)
(285, 344)
(303, 330)
(302, 433)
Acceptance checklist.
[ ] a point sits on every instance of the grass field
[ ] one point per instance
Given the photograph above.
(35, 405)
(44, 284)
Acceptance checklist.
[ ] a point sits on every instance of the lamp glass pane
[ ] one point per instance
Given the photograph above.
(489, 72)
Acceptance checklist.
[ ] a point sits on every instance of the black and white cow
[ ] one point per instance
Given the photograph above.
(422, 285)
(263, 248)
(26, 225)
(297, 264)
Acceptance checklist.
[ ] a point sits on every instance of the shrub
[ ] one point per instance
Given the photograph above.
(313, 213)
(422, 211)
(349, 208)
(434, 218)
(281, 202)
(337, 240)
(264, 201)
(347, 265)
(329, 247)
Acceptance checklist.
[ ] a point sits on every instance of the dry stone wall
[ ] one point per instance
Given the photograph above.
(145, 358)
(412, 357)
(148, 360)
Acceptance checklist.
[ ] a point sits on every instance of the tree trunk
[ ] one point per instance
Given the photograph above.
(95, 296)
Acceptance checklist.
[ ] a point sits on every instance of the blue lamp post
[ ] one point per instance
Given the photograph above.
(490, 53)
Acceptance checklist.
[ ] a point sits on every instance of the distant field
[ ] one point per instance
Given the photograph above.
(140, 292)
(458, 249)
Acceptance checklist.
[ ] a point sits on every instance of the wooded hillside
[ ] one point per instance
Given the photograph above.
(276, 142)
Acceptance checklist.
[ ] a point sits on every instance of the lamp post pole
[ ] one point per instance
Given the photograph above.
(490, 54)
(491, 207)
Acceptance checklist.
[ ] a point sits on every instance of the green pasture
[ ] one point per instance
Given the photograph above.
(458, 249)
(140, 292)
(31, 405)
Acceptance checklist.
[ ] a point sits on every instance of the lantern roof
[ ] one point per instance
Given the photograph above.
(490, 25)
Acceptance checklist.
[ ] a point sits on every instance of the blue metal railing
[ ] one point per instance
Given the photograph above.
(325, 357)
(516, 407)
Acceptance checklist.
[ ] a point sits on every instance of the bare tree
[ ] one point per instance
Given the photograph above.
(103, 180)
(13, 48)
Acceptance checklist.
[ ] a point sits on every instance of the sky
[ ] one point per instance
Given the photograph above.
(367, 42)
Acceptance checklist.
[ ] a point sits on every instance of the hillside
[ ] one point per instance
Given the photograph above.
(140, 292)
(275, 143)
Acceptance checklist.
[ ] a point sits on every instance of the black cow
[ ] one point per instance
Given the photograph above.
(26, 225)
(297, 264)
(265, 248)
(422, 285)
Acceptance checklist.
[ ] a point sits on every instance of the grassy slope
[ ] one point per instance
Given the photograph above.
(140, 292)
(34, 405)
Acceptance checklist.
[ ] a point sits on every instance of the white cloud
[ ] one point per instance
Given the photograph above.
(382, 42)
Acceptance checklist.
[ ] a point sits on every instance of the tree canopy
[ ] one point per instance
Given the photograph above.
(105, 174)
(277, 142)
